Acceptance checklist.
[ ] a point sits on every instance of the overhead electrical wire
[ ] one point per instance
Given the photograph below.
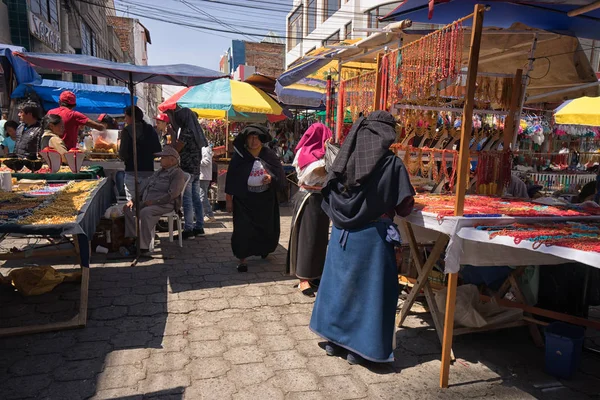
(210, 29)
(252, 34)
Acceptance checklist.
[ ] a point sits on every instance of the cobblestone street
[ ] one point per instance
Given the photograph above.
(188, 325)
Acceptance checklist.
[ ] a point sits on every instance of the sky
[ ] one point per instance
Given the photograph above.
(173, 43)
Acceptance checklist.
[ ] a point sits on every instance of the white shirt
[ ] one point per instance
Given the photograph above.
(306, 175)
(206, 164)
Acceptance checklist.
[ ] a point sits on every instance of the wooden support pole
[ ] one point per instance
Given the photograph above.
(510, 122)
(570, 319)
(378, 84)
(467, 118)
(341, 105)
(461, 187)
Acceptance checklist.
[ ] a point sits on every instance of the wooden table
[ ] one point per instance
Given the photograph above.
(80, 232)
(445, 234)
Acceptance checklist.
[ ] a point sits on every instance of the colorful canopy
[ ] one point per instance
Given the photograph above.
(225, 99)
(549, 15)
(581, 111)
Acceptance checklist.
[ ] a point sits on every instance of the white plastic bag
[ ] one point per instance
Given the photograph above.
(114, 212)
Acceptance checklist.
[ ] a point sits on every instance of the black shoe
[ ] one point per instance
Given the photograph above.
(186, 235)
(199, 232)
(354, 359)
(264, 256)
(243, 267)
(145, 253)
(332, 349)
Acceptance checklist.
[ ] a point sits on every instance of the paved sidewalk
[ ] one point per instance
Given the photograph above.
(188, 325)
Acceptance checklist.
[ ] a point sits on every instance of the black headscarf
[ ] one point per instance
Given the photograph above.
(367, 142)
(187, 119)
(242, 162)
(366, 179)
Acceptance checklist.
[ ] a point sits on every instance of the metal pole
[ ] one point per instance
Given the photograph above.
(135, 166)
(527, 80)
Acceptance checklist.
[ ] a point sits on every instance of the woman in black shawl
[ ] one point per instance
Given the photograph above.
(367, 186)
(190, 141)
(253, 178)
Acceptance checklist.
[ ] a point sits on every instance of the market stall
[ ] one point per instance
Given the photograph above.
(66, 209)
(179, 74)
(442, 107)
(63, 174)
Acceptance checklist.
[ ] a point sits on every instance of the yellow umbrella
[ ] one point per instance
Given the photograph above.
(581, 111)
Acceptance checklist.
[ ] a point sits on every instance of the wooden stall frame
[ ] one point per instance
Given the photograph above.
(462, 181)
(79, 320)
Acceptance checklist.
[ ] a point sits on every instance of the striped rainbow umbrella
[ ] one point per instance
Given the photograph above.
(226, 99)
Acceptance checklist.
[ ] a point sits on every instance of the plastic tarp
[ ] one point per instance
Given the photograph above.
(298, 94)
(23, 71)
(176, 74)
(91, 99)
(548, 15)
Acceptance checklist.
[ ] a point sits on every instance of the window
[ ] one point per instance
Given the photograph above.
(295, 27)
(312, 16)
(47, 9)
(330, 7)
(88, 40)
(348, 31)
(36, 7)
(372, 19)
(333, 39)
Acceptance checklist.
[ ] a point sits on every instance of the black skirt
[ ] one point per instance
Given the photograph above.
(255, 224)
(309, 236)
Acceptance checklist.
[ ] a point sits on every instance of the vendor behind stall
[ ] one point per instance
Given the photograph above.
(54, 131)
(29, 134)
(72, 119)
(108, 122)
(10, 138)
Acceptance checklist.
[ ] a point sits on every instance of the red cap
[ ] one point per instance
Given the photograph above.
(68, 97)
(101, 117)
(162, 117)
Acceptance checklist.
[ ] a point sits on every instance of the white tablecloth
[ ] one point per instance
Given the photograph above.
(462, 251)
(507, 245)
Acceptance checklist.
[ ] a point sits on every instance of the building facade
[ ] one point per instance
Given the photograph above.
(315, 23)
(134, 39)
(62, 26)
(244, 58)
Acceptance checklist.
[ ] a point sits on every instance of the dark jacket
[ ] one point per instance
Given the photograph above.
(28, 141)
(148, 143)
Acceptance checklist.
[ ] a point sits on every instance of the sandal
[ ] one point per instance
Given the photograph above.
(306, 288)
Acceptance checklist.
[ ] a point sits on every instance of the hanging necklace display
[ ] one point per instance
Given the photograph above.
(414, 70)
